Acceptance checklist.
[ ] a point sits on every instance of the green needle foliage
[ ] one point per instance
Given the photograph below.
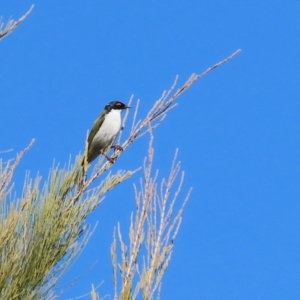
(43, 230)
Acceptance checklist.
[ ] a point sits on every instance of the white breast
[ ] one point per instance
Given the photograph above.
(109, 129)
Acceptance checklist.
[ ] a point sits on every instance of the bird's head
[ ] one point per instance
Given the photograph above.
(117, 105)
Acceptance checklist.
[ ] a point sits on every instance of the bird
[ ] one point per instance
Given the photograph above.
(105, 130)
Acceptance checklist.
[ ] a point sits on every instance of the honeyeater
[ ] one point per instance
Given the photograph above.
(105, 130)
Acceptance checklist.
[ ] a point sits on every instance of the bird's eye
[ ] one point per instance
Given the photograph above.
(118, 104)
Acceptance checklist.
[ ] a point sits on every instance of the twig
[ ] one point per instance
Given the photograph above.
(18, 158)
(163, 105)
(11, 25)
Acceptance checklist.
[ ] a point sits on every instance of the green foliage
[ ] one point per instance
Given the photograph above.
(42, 232)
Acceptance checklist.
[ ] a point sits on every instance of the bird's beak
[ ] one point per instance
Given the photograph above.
(127, 106)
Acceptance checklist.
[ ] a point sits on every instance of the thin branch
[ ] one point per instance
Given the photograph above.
(11, 24)
(157, 113)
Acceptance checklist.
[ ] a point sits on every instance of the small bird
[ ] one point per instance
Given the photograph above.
(105, 130)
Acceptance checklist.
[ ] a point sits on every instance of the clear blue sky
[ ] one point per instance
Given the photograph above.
(237, 128)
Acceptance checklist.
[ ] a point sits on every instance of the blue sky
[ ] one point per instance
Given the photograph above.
(237, 128)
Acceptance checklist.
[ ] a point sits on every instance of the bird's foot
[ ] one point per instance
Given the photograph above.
(111, 159)
(117, 147)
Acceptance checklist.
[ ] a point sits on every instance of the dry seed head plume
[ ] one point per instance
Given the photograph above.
(153, 228)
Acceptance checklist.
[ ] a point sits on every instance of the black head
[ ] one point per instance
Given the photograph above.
(115, 105)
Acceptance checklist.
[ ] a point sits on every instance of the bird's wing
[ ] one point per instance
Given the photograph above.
(96, 127)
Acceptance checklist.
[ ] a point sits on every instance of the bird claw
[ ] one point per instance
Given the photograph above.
(117, 147)
(110, 159)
